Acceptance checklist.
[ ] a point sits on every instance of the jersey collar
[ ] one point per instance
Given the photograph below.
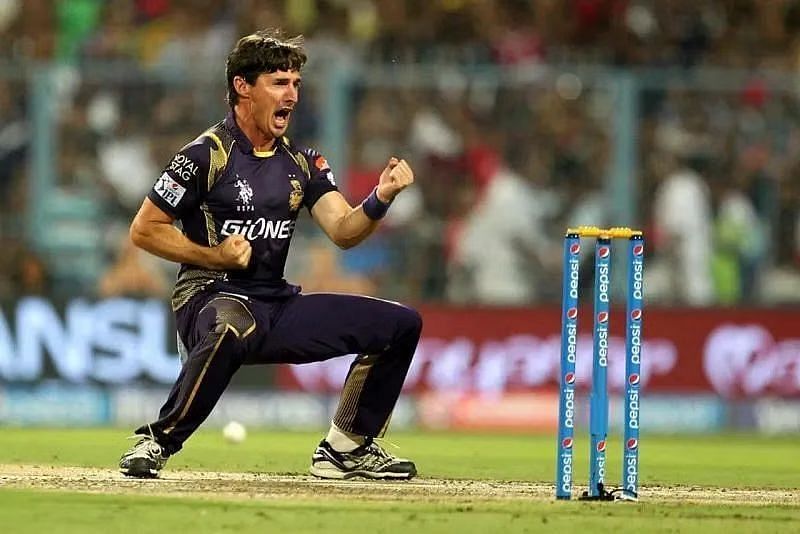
(244, 143)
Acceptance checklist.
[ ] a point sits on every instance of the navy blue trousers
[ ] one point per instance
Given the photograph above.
(223, 331)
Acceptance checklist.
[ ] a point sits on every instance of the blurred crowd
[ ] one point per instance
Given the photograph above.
(503, 164)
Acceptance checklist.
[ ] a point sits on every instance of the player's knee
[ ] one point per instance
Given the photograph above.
(409, 322)
(227, 314)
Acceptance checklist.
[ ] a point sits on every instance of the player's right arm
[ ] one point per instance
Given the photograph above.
(152, 230)
(179, 191)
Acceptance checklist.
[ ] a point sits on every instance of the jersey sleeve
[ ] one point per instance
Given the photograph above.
(321, 179)
(185, 180)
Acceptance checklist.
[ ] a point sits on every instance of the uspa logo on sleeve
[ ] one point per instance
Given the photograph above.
(170, 190)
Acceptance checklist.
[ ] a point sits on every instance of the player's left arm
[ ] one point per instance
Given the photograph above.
(348, 226)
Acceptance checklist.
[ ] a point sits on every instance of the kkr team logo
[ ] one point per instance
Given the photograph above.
(296, 195)
(245, 196)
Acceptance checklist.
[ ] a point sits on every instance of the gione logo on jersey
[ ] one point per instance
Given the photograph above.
(259, 228)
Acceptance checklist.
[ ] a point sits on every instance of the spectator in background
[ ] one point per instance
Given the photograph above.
(125, 158)
(682, 226)
(14, 135)
(339, 35)
(738, 244)
(506, 245)
(752, 128)
(115, 37)
(375, 131)
(323, 272)
(434, 215)
(199, 34)
(33, 30)
(514, 36)
(134, 273)
(32, 276)
(77, 20)
(24, 272)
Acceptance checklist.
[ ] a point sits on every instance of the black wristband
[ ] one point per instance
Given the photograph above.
(375, 208)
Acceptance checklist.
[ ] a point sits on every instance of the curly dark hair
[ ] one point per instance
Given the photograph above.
(260, 52)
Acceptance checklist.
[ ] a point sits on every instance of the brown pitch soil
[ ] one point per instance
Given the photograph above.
(262, 486)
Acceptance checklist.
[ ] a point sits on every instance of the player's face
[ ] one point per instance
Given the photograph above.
(274, 97)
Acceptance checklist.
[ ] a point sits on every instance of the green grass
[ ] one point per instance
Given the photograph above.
(736, 461)
(730, 460)
(26, 511)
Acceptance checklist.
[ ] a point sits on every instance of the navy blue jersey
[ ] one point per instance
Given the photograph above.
(217, 185)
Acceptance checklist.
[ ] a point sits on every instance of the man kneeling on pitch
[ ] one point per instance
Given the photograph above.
(237, 190)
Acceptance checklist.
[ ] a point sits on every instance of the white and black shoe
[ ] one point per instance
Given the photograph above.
(369, 460)
(143, 460)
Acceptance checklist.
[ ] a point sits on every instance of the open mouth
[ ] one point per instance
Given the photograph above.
(281, 117)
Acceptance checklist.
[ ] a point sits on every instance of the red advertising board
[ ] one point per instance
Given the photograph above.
(737, 353)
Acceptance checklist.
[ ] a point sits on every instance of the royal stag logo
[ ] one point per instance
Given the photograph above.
(296, 195)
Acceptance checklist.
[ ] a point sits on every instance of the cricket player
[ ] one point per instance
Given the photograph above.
(237, 190)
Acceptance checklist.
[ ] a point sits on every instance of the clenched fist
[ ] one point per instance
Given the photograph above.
(395, 177)
(234, 252)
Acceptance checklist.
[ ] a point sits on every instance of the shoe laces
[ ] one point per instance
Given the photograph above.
(384, 441)
(148, 440)
(377, 449)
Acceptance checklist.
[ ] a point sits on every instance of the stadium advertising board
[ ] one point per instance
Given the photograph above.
(736, 353)
(115, 341)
